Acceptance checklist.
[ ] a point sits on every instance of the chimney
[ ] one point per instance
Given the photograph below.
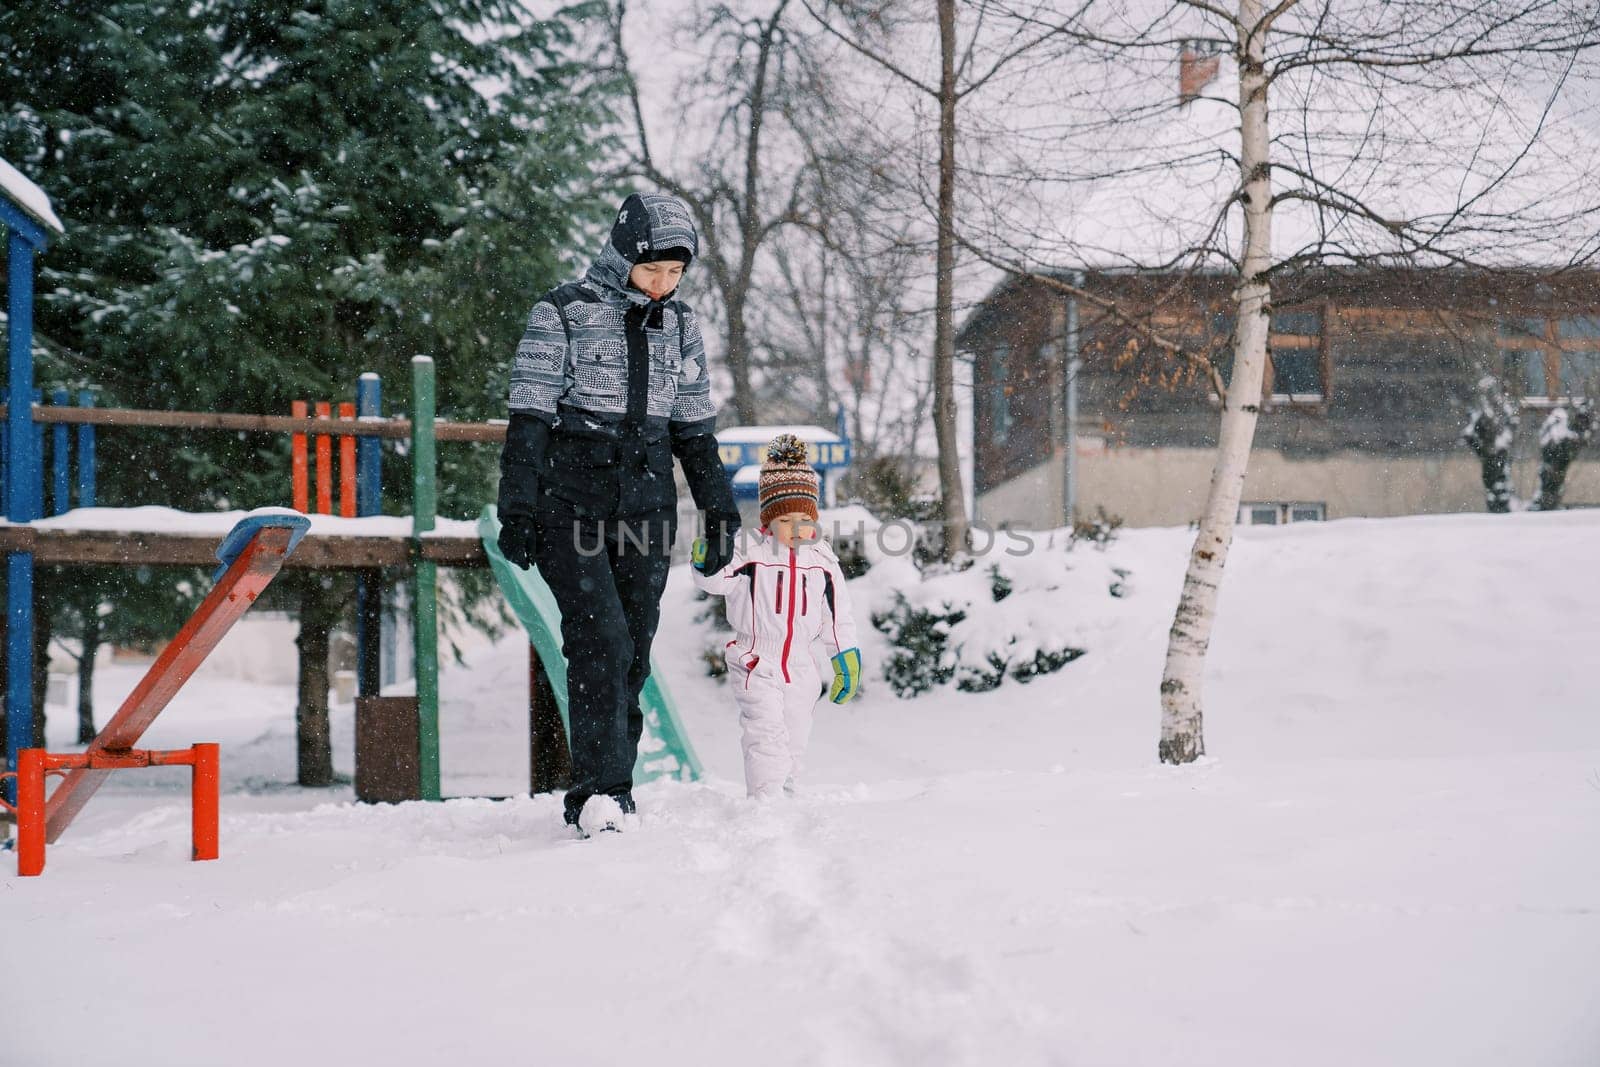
(1197, 67)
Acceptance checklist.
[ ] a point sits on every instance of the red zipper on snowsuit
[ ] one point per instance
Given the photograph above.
(788, 632)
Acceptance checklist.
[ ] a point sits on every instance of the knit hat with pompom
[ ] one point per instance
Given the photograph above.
(788, 484)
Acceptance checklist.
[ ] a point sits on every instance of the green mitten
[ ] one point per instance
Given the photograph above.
(846, 675)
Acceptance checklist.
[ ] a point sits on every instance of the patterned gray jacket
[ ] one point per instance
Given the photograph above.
(607, 384)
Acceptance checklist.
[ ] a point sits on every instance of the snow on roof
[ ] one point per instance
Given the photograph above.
(28, 196)
(760, 435)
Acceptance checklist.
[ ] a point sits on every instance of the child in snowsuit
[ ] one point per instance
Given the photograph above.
(784, 590)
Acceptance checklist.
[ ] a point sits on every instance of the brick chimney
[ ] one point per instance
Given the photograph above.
(1197, 67)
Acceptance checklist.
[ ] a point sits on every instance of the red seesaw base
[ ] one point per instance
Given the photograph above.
(34, 765)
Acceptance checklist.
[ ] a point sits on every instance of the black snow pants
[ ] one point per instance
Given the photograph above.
(607, 576)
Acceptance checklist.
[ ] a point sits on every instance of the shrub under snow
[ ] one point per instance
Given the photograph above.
(1014, 614)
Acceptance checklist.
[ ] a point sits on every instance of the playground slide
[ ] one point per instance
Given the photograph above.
(664, 751)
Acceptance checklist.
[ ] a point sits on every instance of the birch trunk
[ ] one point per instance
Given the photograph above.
(944, 341)
(1182, 733)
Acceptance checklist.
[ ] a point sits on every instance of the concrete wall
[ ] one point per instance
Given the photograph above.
(1167, 486)
(1030, 501)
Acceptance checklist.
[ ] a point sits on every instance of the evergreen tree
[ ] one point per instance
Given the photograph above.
(265, 199)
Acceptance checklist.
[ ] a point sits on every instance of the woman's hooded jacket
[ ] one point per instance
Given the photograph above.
(608, 385)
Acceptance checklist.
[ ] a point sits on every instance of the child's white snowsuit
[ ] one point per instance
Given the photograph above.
(779, 601)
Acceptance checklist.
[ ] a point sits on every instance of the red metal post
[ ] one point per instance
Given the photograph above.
(229, 599)
(324, 463)
(206, 787)
(347, 465)
(30, 812)
(297, 462)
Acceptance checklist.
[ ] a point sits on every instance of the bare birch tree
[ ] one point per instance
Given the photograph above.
(1324, 59)
(1418, 131)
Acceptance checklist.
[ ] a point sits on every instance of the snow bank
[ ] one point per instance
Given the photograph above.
(1383, 862)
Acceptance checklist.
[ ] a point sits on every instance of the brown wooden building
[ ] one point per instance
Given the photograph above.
(1371, 376)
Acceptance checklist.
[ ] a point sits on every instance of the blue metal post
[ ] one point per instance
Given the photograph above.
(60, 459)
(22, 489)
(369, 501)
(369, 457)
(36, 483)
(85, 454)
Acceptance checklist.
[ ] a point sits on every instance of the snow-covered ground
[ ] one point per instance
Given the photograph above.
(1388, 857)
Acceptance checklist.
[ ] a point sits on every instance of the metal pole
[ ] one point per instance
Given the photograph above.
(369, 584)
(347, 466)
(85, 455)
(60, 459)
(300, 492)
(369, 405)
(204, 789)
(1069, 470)
(25, 474)
(36, 483)
(324, 409)
(30, 812)
(424, 505)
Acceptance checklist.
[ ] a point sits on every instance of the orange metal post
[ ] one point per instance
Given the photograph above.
(30, 812)
(324, 463)
(205, 788)
(297, 462)
(347, 465)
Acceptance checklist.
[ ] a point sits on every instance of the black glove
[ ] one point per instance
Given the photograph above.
(722, 530)
(520, 462)
(519, 540)
(696, 448)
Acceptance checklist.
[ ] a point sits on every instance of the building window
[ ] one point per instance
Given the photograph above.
(1279, 514)
(1579, 337)
(1297, 365)
(1000, 392)
(1538, 353)
(1296, 352)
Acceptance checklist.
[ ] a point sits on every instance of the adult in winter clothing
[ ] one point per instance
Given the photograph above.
(609, 383)
(784, 590)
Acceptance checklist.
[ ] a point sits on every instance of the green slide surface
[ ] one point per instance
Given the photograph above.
(664, 750)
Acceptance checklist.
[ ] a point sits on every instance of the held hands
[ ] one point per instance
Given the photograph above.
(846, 676)
(711, 553)
(519, 540)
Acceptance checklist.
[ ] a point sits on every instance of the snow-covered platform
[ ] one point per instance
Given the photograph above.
(166, 537)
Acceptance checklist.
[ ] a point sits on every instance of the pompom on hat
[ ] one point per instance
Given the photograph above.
(789, 485)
